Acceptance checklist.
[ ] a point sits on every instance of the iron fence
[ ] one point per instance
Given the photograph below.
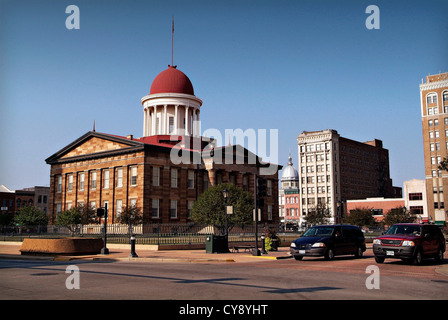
(154, 233)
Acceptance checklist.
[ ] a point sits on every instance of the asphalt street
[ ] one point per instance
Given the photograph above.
(344, 278)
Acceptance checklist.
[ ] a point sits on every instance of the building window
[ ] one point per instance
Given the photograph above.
(133, 176)
(171, 124)
(416, 209)
(119, 177)
(93, 205)
(173, 209)
(106, 179)
(269, 187)
(431, 98)
(155, 176)
(58, 208)
(81, 181)
(174, 178)
(59, 184)
(190, 179)
(93, 180)
(190, 205)
(415, 196)
(70, 183)
(155, 208)
(269, 212)
(118, 208)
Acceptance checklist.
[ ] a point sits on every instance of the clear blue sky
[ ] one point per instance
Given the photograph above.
(287, 65)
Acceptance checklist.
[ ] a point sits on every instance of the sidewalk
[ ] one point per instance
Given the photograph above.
(10, 250)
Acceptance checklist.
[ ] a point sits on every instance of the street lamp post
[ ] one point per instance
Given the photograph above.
(225, 194)
(104, 250)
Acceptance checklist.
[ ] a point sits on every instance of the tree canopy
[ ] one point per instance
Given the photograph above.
(30, 216)
(399, 215)
(361, 217)
(319, 214)
(210, 206)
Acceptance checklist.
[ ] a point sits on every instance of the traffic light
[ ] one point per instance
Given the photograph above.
(261, 187)
(261, 192)
(100, 212)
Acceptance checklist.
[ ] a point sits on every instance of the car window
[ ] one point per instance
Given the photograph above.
(319, 231)
(405, 230)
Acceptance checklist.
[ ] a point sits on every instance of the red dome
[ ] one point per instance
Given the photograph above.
(171, 80)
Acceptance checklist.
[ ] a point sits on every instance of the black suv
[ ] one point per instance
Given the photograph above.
(410, 242)
(329, 241)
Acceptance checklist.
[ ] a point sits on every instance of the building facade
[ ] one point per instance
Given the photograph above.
(162, 172)
(434, 112)
(379, 207)
(414, 194)
(334, 169)
(290, 194)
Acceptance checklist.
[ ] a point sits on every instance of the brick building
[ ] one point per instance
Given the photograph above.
(162, 172)
(434, 112)
(379, 207)
(334, 169)
(290, 195)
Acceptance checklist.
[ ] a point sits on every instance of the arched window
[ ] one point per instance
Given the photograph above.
(431, 104)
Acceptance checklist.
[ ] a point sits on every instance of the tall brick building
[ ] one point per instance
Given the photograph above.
(334, 169)
(434, 111)
(162, 172)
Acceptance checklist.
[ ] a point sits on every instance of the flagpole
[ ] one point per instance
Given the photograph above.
(172, 41)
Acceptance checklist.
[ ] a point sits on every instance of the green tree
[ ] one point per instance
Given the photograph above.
(74, 217)
(443, 165)
(210, 207)
(361, 217)
(70, 219)
(30, 216)
(319, 214)
(399, 215)
(131, 216)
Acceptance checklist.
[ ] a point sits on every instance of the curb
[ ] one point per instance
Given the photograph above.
(161, 259)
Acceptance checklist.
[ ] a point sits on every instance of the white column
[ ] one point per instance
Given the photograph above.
(154, 119)
(145, 125)
(175, 119)
(187, 120)
(199, 123)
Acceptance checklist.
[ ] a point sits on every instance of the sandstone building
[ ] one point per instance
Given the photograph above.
(164, 171)
(434, 112)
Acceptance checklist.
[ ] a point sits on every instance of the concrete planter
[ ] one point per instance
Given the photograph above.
(64, 246)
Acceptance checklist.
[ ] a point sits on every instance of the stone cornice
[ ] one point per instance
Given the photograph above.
(434, 85)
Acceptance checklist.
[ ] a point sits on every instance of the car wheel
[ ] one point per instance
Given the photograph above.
(329, 255)
(418, 257)
(358, 253)
(298, 258)
(379, 259)
(439, 256)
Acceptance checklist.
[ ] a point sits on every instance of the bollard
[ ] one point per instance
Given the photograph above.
(133, 254)
(263, 250)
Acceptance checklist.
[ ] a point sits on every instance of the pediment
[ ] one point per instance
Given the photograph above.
(94, 144)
